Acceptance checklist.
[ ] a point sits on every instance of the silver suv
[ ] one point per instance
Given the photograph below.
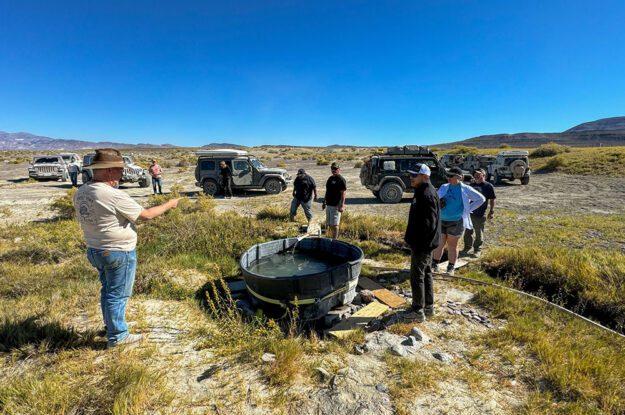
(510, 165)
(132, 173)
(48, 168)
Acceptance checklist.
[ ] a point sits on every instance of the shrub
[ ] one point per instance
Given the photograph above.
(553, 165)
(549, 150)
(273, 213)
(322, 162)
(64, 205)
(281, 164)
(464, 150)
(504, 145)
(358, 164)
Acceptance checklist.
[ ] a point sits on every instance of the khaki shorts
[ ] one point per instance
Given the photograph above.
(333, 216)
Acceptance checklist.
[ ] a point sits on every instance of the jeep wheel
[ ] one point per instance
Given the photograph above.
(391, 193)
(145, 182)
(210, 187)
(525, 180)
(273, 186)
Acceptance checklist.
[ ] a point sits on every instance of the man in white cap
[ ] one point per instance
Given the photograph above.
(107, 216)
(423, 235)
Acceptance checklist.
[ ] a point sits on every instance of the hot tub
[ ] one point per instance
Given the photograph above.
(320, 275)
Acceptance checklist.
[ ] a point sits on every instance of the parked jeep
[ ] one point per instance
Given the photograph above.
(247, 172)
(72, 158)
(132, 173)
(510, 165)
(386, 175)
(48, 167)
(472, 163)
(452, 160)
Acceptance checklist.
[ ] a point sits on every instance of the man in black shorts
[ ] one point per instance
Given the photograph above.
(334, 202)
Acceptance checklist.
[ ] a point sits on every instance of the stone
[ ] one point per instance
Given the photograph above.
(360, 349)
(381, 387)
(324, 374)
(419, 335)
(366, 296)
(411, 341)
(443, 357)
(445, 322)
(399, 350)
(268, 357)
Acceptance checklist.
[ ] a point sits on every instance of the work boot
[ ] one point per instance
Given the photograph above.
(464, 252)
(429, 311)
(414, 315)
(130, 339)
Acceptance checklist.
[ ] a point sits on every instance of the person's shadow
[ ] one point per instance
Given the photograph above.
(32, 332)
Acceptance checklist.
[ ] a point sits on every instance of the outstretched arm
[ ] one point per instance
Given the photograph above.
(151, 213)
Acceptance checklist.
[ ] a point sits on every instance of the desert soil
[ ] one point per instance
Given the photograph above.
(21, 201)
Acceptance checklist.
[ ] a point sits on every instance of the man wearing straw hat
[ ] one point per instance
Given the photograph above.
(107, 216)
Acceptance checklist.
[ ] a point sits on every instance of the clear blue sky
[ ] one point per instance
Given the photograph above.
(308, 72)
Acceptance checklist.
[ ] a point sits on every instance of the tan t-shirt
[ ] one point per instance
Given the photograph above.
(107, 217)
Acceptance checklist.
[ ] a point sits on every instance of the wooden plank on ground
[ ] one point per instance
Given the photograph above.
(387, 297)
(358, 320)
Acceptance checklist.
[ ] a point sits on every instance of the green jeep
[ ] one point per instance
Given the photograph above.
(386, 175)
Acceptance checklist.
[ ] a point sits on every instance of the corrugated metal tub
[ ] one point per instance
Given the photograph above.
(315, 290)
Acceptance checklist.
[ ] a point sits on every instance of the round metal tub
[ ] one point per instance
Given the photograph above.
(315, 294)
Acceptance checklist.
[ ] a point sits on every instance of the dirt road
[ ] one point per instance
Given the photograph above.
(21, 201)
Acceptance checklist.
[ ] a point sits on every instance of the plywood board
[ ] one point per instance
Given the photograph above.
(387, 297)
(358, 320)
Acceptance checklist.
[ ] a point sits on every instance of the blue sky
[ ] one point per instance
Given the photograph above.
(308, 73)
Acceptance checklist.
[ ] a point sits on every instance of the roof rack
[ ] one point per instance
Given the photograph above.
(408, 150)
(221, 152)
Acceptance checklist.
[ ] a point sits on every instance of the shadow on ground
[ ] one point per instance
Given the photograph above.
(32, 332)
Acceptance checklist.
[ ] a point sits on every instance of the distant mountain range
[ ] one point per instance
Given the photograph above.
(603, 132)
(27, 141)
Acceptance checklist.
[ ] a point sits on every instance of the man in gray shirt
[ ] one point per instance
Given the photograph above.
(107, 216)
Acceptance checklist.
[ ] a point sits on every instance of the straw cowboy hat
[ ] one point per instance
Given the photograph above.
(107, 158)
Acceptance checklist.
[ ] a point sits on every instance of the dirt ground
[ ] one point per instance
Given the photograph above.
(21, 201)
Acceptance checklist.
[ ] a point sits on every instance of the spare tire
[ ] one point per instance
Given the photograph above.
(517, 168)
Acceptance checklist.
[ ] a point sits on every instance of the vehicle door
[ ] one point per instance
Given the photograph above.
(241, 173)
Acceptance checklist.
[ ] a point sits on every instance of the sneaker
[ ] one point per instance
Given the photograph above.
(476, 254)
(130, 339)
(436, 267)
(450, 271)
(416, 316)
(429, 311)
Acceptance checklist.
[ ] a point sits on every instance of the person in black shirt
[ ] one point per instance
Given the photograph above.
(334, 202)
(478, 216)
(304, 192)
(423, 235)
(226, 178)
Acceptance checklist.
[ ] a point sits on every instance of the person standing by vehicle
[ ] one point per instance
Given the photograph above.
(423, 235)
(73, 169)
(304, 193)
(478, 216)
(226, 178)
(457, 202)
(334, 202)
(157, 174)
(107, 216)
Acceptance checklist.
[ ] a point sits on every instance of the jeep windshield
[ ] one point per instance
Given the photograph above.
(46, 160)
(257, 164)
(88, 159)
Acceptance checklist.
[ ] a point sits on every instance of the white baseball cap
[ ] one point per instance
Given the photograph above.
(424, 169)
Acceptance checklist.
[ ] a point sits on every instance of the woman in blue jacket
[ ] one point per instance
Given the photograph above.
(457, 202)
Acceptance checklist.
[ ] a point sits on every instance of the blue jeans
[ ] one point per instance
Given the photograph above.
(117, 275)
(74, 178)
(157, 181)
